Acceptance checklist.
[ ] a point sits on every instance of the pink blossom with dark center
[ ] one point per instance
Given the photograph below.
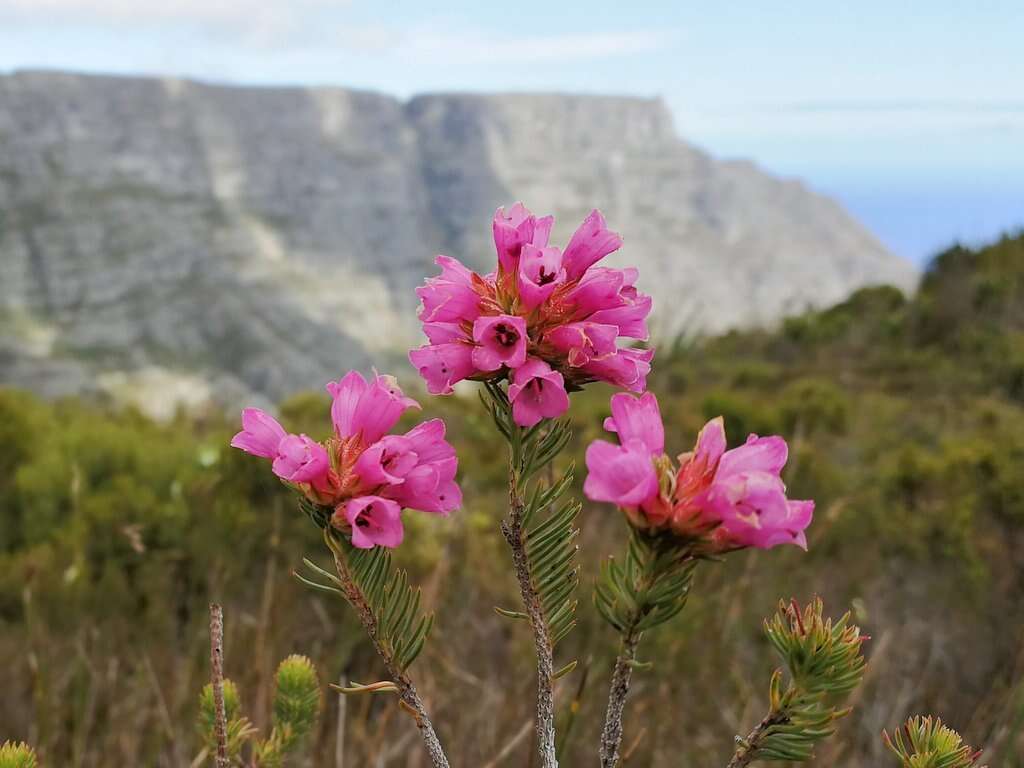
(366, 475)
(537, 392)
(500, 340)
(540, 273)
(374, 521)
(540, 303)
(721, 499)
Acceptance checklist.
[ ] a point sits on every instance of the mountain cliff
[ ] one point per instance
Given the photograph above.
(185, 241)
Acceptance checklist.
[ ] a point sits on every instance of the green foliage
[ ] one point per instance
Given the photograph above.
(648, 587)
(551, 552)
(239, 729)
(825, 664)
(742, 415)
(297, 698)
(370, 583)
(924, 742)
(296, 709)
(17, 755)
(813, 405)
(533, 448)
(822, 657)
(547, 518)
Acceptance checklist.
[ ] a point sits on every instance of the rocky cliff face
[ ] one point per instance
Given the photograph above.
(218, 241)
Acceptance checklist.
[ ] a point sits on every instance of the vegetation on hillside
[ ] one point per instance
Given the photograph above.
(906, 423)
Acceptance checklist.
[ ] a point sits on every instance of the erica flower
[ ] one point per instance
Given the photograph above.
(536, 393)
(374, 521)
(450, 297)
(625, 474)
(366, 410)
(364, 474)
(295, 458)
(446, 360)
(301, 460)
(500, 340)
(727, 499)
(260, 435)
(541, 309)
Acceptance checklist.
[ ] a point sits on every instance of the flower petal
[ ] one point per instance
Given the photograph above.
(637, 418)
(622, 475)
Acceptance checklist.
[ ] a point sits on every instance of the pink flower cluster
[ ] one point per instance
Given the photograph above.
(731, 499)
(366, 475)
(547, 319)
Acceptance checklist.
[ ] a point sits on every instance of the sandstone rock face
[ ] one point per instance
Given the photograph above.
(251, 242)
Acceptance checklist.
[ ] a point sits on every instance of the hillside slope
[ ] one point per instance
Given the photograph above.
(211, 241)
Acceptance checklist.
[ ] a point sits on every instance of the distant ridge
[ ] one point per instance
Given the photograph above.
(210, 241)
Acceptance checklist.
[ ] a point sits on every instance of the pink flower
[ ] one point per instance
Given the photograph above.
(698, 467)
(621, 474)
(599, 289)
(301, 460)
(515, 228)
(724, 500)
(583, 342)
(540, 273)
(366, 410)
(374, 521)
(748, 498)
(451, 296)
(540, 302)
(386, 462)
(364, 474)
(442, 365)
(637, 418)
(537, 392)
(501, 340)
(630, 317)
(296, 458)
(589, 244)
(627, 368)
(260, 435)
(430, 485)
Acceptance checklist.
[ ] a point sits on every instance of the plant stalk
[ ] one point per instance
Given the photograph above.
(407, 694)
(746, 749)
(217, 679)
(611, 736)
(512, 529)
(653, 567)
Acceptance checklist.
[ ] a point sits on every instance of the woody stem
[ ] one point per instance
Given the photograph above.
(611, 736)
(407, 693)
(512, 529)
(746, 750)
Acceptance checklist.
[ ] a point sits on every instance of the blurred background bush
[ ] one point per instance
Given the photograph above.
(905, 423)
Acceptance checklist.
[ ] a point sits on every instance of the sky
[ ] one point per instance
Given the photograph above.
(910, 113)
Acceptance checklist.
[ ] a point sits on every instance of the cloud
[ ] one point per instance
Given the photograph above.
(470, 44)
(322, 25)
(477, 47)
(902, 105)
(265, 23)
